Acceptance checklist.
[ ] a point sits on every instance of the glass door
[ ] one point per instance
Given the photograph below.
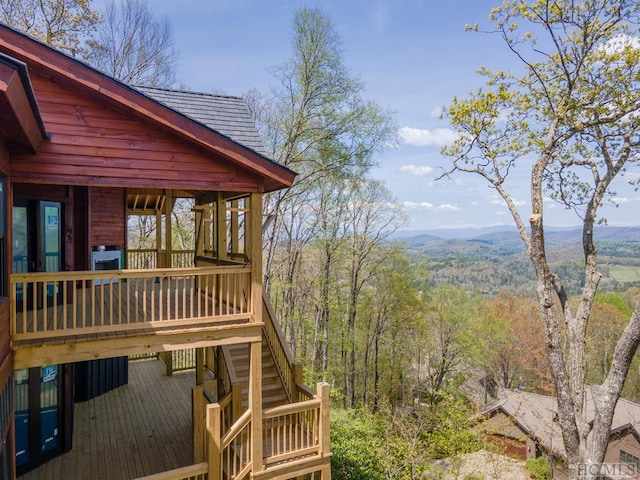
(37, 245)
(50, 243)
(38, 416)
(22, 416)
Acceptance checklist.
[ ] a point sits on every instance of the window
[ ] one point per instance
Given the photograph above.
(629, 459)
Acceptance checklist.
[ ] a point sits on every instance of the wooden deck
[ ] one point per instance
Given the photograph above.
(138, 429)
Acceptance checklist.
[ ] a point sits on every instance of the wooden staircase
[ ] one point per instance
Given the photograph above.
(273, 391)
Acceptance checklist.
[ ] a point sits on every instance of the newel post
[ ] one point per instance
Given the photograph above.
(323, 393)
(214, 445)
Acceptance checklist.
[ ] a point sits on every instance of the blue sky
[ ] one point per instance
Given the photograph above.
(413, 56)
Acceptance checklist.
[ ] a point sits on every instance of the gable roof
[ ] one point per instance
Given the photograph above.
(83, 78)
(225, 114)
(537, 416)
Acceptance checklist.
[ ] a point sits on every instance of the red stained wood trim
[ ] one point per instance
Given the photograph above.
(18, 121)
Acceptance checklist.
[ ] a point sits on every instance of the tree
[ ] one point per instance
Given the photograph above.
(318, 124)
(448, 318)
(571, 117)
(134, 47)
(508, 343)
(64, 24)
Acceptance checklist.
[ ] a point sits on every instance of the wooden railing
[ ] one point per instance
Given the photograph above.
(182, 259)
(280, 351)
(71, 303)
(291, 431)
(295, 434)
(198, 471)
(178, 360)
(235, 448)
(143, 258)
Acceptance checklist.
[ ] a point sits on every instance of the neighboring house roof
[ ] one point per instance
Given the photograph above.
(225, 114)
(536, 415)
(86, 79)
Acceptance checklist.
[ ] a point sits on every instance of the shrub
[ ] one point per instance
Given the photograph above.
(539, 468)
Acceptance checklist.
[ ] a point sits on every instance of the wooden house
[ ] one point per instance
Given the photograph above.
(524, 425)
(79, 153)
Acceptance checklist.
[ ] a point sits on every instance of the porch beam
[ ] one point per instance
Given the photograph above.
(73, 349)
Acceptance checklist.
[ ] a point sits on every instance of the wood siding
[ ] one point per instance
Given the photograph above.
(4, 158)
(107, 217)
(94, 144)
(626, 441)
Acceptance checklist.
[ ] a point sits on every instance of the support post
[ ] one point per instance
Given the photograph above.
(199, 366)
(159, 261)
(168, 214)
(198, 424)
(213, 441)
(254, 234)
(221, 227)
(255, 404)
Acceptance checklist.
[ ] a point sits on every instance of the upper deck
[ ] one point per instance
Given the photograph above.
(61, 317)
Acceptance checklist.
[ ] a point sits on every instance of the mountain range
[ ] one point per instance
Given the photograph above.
(491, 259)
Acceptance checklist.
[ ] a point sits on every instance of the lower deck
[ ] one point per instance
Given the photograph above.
(136, 430)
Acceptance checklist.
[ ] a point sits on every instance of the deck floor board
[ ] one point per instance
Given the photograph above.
(138, 429)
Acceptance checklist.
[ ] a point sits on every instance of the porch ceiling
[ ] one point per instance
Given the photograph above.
(142, 201)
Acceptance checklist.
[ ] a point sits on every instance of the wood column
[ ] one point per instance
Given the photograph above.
(200, 365)
(254, 234)
(221, 227)
(325, 443)
(159, 260)
(198, 425)
(168, 214)
(214, 445)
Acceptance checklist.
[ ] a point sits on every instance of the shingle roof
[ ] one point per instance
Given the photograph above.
(225, 114)
(536, 414)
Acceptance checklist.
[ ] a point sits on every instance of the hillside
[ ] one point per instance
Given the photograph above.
(495, 260)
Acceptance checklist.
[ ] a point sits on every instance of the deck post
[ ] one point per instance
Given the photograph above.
(221, 227)
(159, 261)
(254, 234)
(198, 424)
(168, 213)
(199, 366)
(213, 441)
(323, 393)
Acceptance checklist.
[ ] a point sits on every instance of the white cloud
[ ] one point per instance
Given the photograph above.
(418, 206)
(422, 137)
(418, 170)
(445, 207)
(619, 43)
(497, 200)
(430, 207)
(622, 200)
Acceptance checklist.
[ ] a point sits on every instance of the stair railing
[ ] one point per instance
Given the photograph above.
(289, 371)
